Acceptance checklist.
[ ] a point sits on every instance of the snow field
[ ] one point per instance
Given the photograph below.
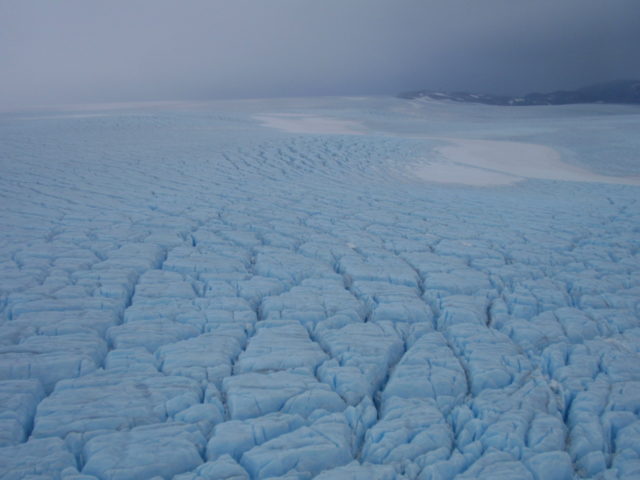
(186, 294)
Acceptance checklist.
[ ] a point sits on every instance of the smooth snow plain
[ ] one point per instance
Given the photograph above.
(331, 288)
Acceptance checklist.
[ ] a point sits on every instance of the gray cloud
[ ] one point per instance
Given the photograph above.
(85, 50)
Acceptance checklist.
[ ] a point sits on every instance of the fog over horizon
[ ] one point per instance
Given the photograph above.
(74, 51)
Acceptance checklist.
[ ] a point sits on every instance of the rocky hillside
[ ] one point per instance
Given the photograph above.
(620, 91)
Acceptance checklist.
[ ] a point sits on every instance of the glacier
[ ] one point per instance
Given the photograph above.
(333, 288)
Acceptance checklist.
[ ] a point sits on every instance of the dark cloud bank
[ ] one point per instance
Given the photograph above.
(86, 50)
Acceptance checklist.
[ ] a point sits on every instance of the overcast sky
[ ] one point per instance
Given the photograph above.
(59, 51)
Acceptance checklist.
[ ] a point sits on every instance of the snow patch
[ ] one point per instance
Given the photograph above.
(493, 162)
(314, 124)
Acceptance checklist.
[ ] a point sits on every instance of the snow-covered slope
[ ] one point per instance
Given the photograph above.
(294, 289)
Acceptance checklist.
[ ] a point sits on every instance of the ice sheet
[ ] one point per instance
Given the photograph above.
(265, 289)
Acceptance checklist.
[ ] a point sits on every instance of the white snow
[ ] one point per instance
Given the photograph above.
(313, 124)
(492, 163)
(440, 171)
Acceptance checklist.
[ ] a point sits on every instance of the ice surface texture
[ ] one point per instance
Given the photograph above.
(188, 294)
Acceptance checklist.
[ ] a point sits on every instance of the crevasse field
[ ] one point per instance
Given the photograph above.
(337, 288)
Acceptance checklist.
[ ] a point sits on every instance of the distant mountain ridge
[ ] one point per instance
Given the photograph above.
(619, 91)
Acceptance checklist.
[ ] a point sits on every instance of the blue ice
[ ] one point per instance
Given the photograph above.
(215, 292)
